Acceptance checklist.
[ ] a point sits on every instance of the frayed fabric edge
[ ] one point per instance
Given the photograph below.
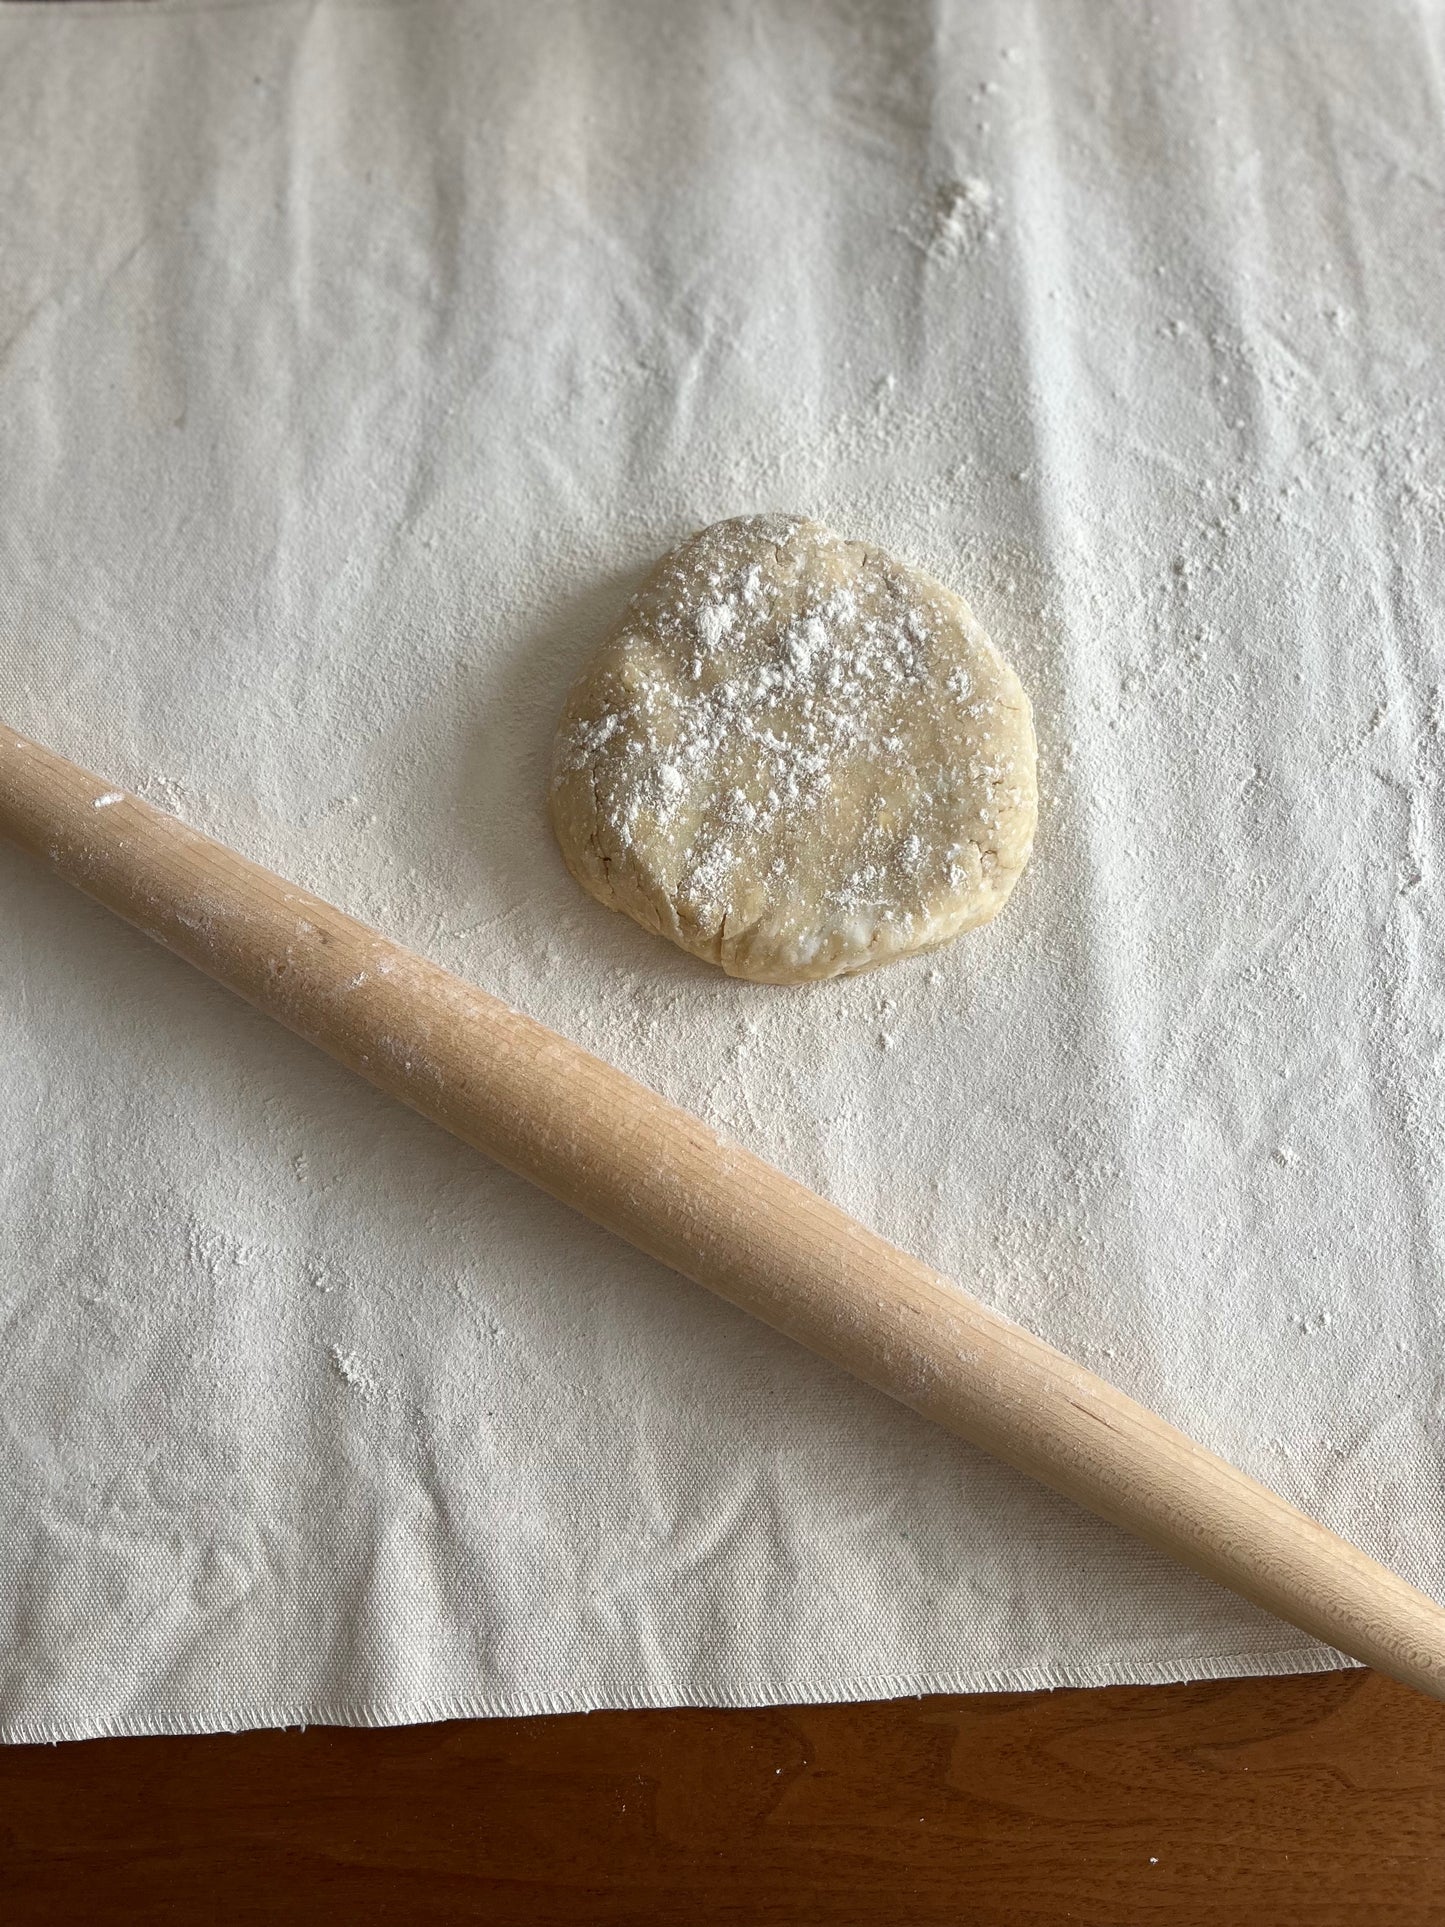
(250, 1716)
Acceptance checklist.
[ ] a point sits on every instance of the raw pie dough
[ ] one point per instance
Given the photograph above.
(796, 757)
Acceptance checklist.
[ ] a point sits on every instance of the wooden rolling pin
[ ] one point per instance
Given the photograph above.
(663, 1180)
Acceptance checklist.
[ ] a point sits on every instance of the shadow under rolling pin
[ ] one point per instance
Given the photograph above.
(666, 1182)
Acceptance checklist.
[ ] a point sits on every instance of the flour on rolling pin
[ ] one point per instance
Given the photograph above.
(796, 757)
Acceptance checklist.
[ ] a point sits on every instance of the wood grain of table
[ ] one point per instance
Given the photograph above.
(1251, 1803)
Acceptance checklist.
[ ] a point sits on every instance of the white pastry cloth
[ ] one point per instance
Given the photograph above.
(357, 361)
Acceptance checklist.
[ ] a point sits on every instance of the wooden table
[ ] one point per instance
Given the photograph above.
(1243, 1804)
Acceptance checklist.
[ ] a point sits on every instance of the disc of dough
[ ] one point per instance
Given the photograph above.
(796, 757)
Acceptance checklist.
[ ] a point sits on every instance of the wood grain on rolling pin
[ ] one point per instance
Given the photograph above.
(665, 1181)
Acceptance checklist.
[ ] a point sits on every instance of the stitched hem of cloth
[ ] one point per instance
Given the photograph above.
(248, 1715)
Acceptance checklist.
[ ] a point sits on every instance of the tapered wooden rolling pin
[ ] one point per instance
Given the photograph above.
(662, 1179)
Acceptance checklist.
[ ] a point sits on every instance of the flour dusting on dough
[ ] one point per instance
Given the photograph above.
(796, 757)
